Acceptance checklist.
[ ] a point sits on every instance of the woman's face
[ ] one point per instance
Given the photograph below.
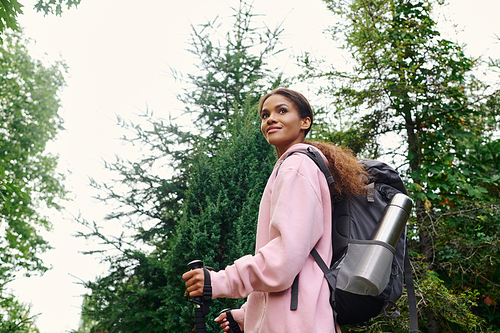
(281, 123)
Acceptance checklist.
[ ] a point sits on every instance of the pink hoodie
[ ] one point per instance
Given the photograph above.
(294, 217)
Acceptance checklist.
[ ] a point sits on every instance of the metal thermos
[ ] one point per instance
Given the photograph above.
(371, 262)
(394, 221)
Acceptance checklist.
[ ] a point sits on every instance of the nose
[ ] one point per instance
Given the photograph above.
(270, 119)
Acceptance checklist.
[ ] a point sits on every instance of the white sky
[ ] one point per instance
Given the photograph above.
(119, 54)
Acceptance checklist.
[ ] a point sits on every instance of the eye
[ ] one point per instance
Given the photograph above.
(264, 115)
(283, 110)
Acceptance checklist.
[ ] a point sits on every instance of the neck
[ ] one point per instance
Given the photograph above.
(281, 150)
(278, 152)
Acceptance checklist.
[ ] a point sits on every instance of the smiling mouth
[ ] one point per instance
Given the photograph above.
(273, 129)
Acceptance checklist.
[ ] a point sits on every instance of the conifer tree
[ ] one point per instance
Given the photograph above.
(231, 72)
(208, 208)
(221, 209)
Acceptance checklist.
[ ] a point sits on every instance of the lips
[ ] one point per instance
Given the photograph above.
(272, 129)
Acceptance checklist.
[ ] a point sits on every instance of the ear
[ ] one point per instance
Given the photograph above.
(305, 123)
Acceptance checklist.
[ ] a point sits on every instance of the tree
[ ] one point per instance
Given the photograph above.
(226, 81)
(29, 105)
(409, 81)
(10, 9)
(29, 112)
(217, 176)
(145, 292)
(15, 317)
(232, 71)
(220, 211)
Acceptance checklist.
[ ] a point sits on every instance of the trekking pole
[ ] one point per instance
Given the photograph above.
(202, 302)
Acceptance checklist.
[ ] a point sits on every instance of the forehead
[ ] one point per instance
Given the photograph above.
(275, 101)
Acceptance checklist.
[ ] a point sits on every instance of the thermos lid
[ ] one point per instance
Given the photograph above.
(402, 201)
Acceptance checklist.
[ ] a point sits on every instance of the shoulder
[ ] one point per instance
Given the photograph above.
(301, 157)
(298, 173)
(297, 164)
(297, 160)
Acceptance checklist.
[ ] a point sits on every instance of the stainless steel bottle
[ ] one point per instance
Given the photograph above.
(394, 221)
(372, 261)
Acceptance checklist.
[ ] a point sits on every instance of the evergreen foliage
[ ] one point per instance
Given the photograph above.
(15, 317)
(145, 292)
(207, 209)
(219, 223)
(232, 72)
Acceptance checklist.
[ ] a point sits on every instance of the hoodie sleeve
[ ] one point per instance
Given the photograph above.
(295, 226)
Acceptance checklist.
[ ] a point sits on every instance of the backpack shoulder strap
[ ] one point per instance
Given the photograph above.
(314, 155)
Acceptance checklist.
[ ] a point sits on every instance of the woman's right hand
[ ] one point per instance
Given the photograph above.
(195, 281)
(224, 323)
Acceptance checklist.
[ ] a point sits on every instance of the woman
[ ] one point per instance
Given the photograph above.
(294, 217)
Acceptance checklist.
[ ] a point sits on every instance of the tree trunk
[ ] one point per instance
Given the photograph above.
(426, 244)
(426, 247)
(432, 322)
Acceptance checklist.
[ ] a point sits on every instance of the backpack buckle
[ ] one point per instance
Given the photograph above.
(370, 192)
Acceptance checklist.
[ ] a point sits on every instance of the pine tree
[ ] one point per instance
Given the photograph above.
(208, 208)
(221, 209)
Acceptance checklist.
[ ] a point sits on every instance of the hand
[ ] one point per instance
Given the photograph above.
(195, 281)
(224, 322)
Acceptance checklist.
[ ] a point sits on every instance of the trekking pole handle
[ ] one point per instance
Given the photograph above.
(198, 300)
(195, 264)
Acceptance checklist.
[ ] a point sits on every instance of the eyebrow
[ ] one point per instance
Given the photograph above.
(277, 107)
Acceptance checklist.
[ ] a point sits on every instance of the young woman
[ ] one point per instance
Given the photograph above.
(294, 217)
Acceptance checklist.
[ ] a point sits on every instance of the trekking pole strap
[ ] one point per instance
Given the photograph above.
(207, 287)
(202, 302)
(199, 320)
(412, 299)
(233, 325)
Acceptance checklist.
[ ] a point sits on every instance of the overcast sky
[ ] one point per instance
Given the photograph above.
(119, 54)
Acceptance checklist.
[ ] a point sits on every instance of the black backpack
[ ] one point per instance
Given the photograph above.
(354, 221)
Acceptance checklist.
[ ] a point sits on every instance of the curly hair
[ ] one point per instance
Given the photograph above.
(350, 177)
